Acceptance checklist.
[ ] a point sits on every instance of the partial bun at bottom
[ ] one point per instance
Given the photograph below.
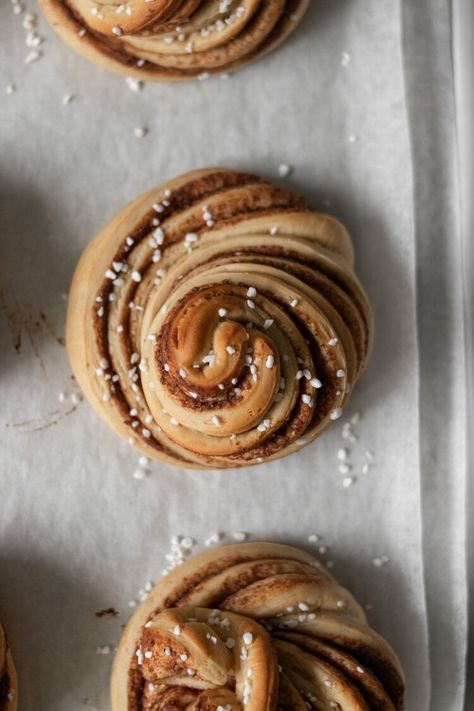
(258, 626)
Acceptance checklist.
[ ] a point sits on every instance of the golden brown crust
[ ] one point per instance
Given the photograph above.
(172, 40)
(217, 322)
(266, 614)
(8, 677)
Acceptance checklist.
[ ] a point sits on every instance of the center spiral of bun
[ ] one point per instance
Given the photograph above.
(223, 368)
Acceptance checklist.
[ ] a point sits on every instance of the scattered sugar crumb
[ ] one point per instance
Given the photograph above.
(140, 474)
(240, 536)
(140, 131)
(284, 170)
(133, 84)
(103, 649)
(346, 59)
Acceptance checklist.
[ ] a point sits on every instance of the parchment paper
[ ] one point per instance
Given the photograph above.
(359, 101)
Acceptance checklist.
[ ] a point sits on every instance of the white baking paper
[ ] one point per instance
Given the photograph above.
(359, 102)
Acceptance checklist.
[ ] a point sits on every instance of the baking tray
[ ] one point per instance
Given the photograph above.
(360, 101)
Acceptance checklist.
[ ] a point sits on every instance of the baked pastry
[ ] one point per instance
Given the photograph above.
(258, 626)
(216, 321)
(8, 678)
(171, 40)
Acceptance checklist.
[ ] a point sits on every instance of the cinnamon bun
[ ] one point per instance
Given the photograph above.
(217, 321)
(258, 626)
(171, 40)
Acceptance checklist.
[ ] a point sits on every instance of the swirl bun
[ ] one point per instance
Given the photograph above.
(171, 40)
(8, 678)
(217, 322)
(257, 626)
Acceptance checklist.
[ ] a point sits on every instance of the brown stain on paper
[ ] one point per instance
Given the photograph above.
(108, 612)
(32, 325)
(36, 425)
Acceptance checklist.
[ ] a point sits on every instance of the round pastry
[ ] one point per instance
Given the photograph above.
(258, 626)
(8, 678)
(217, 321)
(171, 40)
